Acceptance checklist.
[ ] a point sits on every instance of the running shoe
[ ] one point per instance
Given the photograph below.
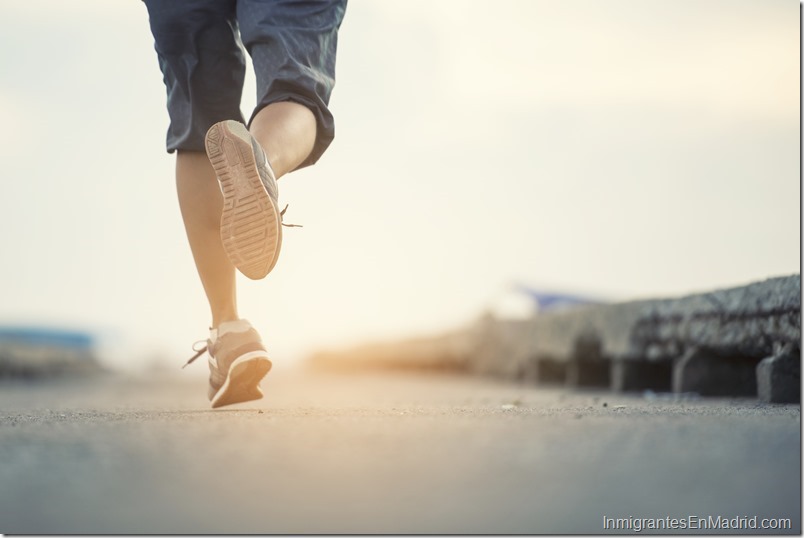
(237, 363)
(251, 222)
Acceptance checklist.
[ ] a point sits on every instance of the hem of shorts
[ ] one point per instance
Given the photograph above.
(324, 137)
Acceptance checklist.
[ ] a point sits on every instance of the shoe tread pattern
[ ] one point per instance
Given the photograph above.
(250, 222)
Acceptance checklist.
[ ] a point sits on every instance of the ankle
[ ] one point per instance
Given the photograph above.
(237, 326)
(224, 318)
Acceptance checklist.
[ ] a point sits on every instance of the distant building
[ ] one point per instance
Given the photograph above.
(27, 351)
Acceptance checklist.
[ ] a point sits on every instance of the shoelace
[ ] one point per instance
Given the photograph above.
(282, 214)
(198, 352)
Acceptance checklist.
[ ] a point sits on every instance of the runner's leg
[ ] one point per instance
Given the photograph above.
(293, 47)
(203, 67)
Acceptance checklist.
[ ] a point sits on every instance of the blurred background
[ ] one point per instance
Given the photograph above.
(619, 150)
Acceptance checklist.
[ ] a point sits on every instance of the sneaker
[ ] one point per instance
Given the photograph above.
(251, 223)
(237, 363)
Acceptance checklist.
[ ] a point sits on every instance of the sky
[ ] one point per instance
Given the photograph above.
(621, 149)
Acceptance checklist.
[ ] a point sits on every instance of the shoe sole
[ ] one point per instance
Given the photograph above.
(251, 229)
(243, 382)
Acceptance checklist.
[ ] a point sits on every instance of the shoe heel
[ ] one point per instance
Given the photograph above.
(243, 382)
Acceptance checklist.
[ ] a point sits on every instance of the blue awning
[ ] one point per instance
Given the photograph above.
(44, 336)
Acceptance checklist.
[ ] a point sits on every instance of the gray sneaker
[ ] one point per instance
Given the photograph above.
(237, 363)
(251, 223)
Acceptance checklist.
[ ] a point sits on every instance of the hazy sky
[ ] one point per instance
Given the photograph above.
(623, 149)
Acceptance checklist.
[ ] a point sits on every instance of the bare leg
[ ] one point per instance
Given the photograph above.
(286, 131)
(201, 204)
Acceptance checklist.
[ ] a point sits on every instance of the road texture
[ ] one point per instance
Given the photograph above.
(378, 453)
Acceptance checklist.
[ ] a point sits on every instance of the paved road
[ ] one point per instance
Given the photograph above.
(382, 454)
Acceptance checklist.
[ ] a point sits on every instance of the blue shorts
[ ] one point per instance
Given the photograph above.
(200, 47)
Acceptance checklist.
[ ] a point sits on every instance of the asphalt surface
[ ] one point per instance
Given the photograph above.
(327, 453)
